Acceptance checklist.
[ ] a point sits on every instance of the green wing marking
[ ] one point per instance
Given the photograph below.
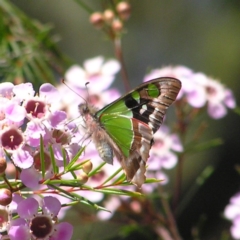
(118, 125)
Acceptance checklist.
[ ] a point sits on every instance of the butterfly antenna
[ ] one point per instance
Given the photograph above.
(64, 82)
(88, 96)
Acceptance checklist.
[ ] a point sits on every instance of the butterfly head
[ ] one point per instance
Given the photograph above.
(85, 109)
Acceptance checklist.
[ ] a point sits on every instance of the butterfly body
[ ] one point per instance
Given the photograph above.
(125, 127)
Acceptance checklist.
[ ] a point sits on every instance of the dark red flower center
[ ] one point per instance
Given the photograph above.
(11, 139)
(36, 108)
(41, 227)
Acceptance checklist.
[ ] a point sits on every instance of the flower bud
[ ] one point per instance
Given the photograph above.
(136, 206)
(117, 26)
(4, 226)
(124, 10)
(97, 20)
(5, 196)
(87, 167)
(82, 178)
(60, 136)
(3, 165)
(108, 15)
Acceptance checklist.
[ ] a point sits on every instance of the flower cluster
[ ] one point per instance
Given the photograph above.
(198, 89)
(41, 143)
(112, 20)
(232, 212)
(37, 115)
(27, 119)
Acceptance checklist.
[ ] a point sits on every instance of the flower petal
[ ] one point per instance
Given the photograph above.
(93, 65)
(22, 158)
(197, 97)
(229, 99)
(216, 111)
(17, 198)
(27, 208)
(49, 93)
(6, 89)
(51, 205)
(176, 143)
(111, 67)
(30, 178)
(76, 75)
(14, 112)
(168, 160)
(19, 232)
(24, 90)
(64, 231)
(57, 117)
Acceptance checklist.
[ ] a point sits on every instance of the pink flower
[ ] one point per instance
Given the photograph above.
(219, 98)
(30, 223)
(198, 89)
(162, 155)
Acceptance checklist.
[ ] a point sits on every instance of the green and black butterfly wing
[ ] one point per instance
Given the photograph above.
(131, 121)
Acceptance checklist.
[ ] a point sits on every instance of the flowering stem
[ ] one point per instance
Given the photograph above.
(178, 182)
(185, 116)
(7, 182)
(119, 56)
(182, 128)
(170, 218)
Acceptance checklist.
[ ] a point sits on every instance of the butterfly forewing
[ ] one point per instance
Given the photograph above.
(131, 121)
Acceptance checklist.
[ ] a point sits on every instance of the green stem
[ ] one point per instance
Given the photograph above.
(119, 56)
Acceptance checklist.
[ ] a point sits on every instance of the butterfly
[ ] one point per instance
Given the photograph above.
(125, 127)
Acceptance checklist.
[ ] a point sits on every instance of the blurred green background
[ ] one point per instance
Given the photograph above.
(202, 35)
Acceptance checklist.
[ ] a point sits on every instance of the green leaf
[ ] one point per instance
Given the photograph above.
(75, 158)
(152, 180)
(64, 182)
(121, 179)
(200, 180)
(78, 166)
(78, 199)
(96, 170)
(53, 161)
(112, 176)
(64, 158)
(42, 157)
(193, 147)
(73, 174)
(116, 191)
(237, 110)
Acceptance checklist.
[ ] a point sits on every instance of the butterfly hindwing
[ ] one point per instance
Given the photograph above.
(130, 122)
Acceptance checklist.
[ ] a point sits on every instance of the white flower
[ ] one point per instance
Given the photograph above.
(98, 73)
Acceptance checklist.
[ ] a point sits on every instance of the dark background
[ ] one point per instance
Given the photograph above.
(202, 35)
